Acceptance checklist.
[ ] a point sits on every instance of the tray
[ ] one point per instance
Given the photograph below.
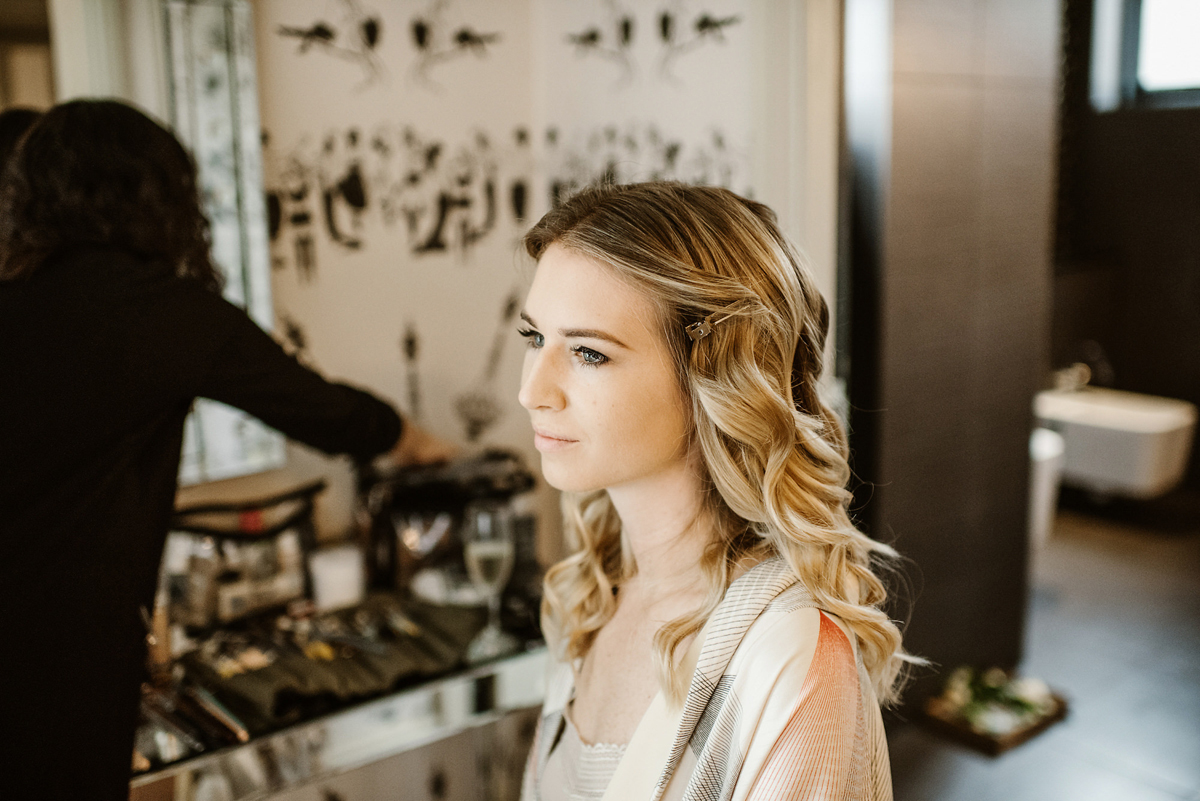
(955, 728)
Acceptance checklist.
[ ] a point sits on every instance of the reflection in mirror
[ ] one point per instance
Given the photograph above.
(214, 111)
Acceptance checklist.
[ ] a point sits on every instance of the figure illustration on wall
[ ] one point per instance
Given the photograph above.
(447, 202)
(638, 153)
(518, 190)
(343, 192)
(447, 198)
(480, 408)
(563, 179)
(398, 162)
(610, 40)
(438, 41)
(410, 346)
(465, 209)
(289, 213)
(356, 40)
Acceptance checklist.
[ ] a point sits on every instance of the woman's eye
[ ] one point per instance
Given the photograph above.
(533, 338)
(589, 356)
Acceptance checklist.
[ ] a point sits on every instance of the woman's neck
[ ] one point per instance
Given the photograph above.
(667, 528)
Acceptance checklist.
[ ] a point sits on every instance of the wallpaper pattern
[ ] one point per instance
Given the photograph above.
(407, 146)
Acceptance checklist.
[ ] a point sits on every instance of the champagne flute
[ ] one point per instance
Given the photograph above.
(487, 535)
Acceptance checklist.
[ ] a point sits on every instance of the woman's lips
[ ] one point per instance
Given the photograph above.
(547, 442)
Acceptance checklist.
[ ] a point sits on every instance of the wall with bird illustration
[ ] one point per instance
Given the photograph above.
(408, 145)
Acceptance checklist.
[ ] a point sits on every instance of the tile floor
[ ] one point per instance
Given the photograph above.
(1115, 626)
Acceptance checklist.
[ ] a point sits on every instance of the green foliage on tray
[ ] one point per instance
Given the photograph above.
(992, 702)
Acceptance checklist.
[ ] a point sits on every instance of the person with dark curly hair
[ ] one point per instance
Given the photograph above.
(14, 122)
(111, 324)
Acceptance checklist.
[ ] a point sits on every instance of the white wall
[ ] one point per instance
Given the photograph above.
(768, 82)
(748, 99)
(750, 103)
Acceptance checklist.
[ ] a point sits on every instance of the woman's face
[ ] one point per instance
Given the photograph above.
(598, 381)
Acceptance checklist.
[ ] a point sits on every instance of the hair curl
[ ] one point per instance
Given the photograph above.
(14, 122)
(774, 453)
(102, 173)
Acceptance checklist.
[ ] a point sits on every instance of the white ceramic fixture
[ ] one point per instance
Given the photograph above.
(1120, 443)
(1046, 455)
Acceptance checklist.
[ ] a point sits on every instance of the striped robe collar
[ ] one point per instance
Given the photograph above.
(744, 601)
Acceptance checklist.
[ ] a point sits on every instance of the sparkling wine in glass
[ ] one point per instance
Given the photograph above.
(489, 564)
(488, 551)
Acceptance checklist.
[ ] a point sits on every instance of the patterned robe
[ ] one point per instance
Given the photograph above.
(779, 707)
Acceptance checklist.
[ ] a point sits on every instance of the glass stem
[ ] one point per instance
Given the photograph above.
(494, 611)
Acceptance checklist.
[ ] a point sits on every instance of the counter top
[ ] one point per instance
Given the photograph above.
(358, 735)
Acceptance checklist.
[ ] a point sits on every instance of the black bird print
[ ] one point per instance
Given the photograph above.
(588, 38)
(468, 39)
(708, 25)
(317, 33)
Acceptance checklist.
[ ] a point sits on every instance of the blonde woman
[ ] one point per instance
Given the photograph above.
(718, 630)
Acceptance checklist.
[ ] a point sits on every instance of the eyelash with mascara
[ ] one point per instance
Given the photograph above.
(587, 356)
(532, 338)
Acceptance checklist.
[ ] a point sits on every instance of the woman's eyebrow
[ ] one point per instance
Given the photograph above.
(590, 333)
(579, 333)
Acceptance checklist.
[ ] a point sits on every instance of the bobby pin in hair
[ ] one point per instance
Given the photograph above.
(698, 331)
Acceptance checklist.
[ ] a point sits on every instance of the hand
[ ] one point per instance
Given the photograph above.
(417, 446)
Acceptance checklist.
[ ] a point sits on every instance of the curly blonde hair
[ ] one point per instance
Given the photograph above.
(774, 455)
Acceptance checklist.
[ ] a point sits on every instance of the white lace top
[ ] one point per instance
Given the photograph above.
(578, 771)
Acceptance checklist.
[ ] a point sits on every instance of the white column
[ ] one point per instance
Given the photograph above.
(110, 48)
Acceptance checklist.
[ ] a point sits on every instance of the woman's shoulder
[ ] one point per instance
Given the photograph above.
(783, 637)
(118, 278)
(790, 635)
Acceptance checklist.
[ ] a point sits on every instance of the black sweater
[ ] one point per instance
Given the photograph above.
(101, 356)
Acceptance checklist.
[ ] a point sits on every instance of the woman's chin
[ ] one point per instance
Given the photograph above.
(561, 484)
(565, 480)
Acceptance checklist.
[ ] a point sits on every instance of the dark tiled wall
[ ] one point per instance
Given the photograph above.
(963, 296)
(1129, 237)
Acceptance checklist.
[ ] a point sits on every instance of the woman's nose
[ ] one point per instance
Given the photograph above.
(541, 387)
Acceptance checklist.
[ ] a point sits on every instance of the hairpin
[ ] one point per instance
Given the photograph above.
(698, 331)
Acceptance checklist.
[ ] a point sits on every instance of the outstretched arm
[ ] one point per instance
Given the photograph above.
(249, 370)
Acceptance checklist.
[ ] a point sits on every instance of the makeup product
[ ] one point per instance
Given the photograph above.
(214, 732)
(171, 723)
(245, 557)
(338, 577)
(219, 712)
(415, 512)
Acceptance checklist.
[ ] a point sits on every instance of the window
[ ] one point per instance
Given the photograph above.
(1169, 46)
(1144, 53)
(214, 110)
